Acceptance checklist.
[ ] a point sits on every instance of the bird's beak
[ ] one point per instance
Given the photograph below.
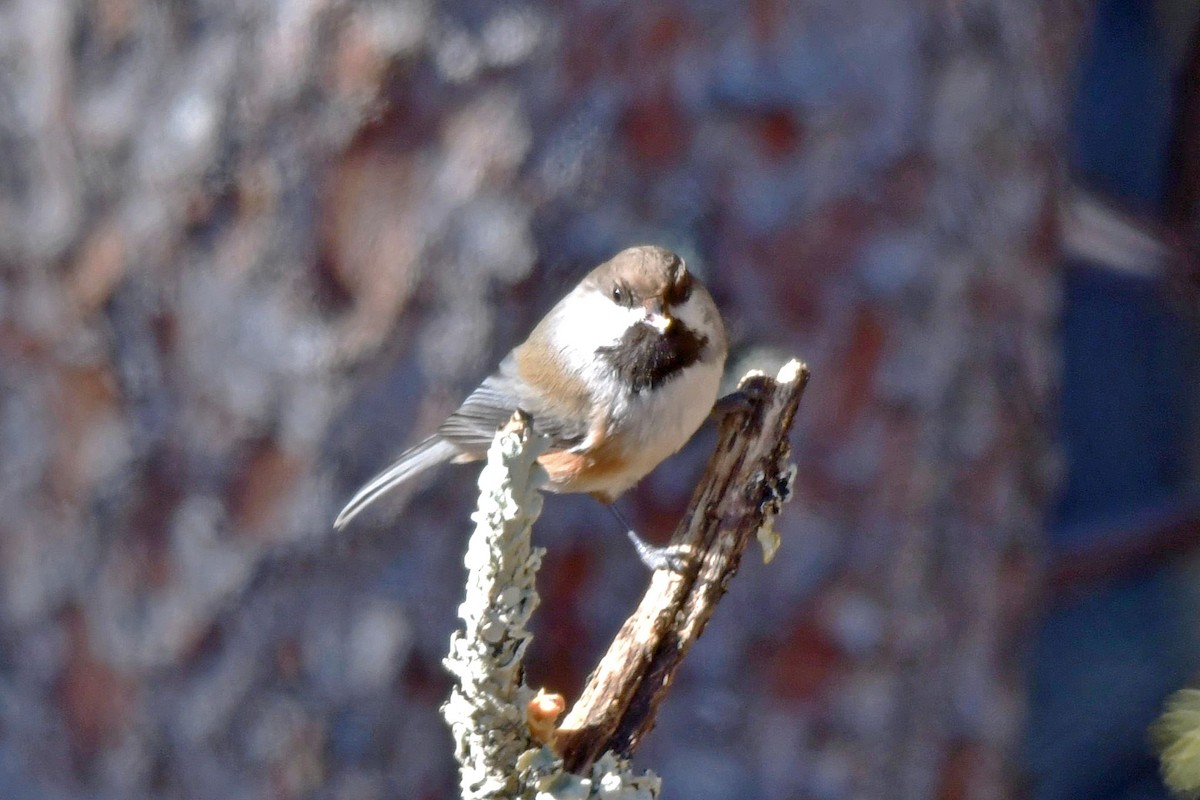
(659, 321)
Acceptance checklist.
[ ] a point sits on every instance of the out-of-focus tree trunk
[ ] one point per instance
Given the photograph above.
(251, 249)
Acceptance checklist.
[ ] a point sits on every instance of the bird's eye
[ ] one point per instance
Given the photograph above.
(619, 295)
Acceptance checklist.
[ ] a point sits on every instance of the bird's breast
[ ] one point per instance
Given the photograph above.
(653, 423)
(634, 431)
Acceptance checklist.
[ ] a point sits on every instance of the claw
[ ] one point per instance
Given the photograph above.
(733, 403)
(669, 557)
(672, 558)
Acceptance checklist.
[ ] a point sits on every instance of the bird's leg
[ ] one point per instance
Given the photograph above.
(667, 557)
(672, 557)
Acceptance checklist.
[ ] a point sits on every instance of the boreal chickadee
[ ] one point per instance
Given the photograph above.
(618, 376)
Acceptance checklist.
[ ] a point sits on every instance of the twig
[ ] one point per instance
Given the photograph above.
(746, 481)
(1114, 552)
(486, 709)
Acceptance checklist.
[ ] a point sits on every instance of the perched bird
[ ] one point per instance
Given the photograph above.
(618, 375)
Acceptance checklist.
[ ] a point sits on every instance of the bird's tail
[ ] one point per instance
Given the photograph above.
(412, 462)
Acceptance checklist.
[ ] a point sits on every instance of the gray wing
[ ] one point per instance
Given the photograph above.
(473, 426)
(411, 463)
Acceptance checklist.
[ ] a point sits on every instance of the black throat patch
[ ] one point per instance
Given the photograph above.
(646, 359)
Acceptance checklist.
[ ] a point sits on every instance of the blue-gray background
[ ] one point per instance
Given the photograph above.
(252, 249)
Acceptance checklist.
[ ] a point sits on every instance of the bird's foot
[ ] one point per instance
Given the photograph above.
(740, 402)
(672, 558)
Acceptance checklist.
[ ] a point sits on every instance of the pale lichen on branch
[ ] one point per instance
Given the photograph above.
(488, 707)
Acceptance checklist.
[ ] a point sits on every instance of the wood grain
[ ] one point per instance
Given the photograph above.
(746, 480)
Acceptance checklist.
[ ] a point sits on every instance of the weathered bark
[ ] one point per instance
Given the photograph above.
(747, 480)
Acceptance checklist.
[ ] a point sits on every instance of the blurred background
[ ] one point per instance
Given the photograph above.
(251, 249)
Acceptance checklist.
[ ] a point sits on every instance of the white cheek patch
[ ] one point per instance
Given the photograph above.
(689, 314)
(692, 315)
(595, 321)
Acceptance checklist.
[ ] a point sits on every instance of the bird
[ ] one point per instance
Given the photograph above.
(618, 376)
